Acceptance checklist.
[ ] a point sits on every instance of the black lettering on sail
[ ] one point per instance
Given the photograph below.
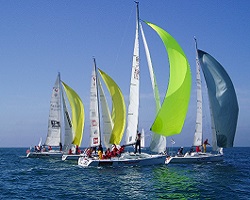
(55, 124)
(68, 119)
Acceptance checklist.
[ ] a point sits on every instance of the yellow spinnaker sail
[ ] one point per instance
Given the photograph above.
(77, 111)
(171, 117)
(118, 109)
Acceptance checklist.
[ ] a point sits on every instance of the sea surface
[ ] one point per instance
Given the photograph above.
(37, 178)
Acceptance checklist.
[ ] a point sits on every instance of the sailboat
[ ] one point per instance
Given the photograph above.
(115, 122)
(97, 97)
(73, 128)
(171, 114)
(223, 107)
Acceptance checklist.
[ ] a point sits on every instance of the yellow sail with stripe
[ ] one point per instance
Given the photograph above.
(77, 111)
(171, 116)
(118, 109)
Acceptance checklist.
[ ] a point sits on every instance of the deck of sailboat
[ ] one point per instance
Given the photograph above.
(70, 156)
(45, 154)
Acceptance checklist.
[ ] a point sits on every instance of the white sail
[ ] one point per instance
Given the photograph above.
(133, 108)
(158, 142)
(40, 142)
(142, 138)
(106, 117)
(54, 123)
(68, 131)
(94, 111)
(198, 128)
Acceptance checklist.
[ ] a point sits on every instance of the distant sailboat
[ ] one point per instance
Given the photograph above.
(73, 128)
(97, 97)
(114, 123)
(97, 100)
(223, 107)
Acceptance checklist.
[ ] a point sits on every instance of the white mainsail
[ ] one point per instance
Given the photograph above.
(142, 138)
(97, 92)
(94, 111)
(158, 142)
(54, 123)
(133, 108)
(198, 129)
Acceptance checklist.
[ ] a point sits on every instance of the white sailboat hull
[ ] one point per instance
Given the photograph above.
(70, 156)
(195, 158)
(126, 160)
(48, 154)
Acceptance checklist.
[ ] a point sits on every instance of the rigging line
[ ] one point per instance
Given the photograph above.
(123, 37)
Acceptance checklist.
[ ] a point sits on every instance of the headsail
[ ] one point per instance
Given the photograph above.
(106, 117)
(118, 108)
(171, 117)
(54, 124)
(68, 129)
(133, 107)
(222, 98)
(158, 142)
(77, 110)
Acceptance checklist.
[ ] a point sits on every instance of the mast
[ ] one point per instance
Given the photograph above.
(198, 128)
(98, 107)
(138, 30)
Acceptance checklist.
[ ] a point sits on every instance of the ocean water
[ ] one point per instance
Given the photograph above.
(34, 178)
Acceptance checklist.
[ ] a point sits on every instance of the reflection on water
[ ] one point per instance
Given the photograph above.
(174, 183)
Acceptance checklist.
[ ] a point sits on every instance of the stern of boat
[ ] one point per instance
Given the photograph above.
(168, 159)
(84, 162)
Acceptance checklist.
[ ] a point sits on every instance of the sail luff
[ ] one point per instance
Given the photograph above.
(77, 112)
(198, 129)
(118, 109)
(222, 98)
(133, 108)
(170, 119)
(54, 121)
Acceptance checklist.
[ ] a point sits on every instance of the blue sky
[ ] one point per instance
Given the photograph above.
(40, 38)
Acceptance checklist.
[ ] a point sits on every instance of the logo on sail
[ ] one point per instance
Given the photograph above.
(95, 140)
(55, 124)
(94, 123)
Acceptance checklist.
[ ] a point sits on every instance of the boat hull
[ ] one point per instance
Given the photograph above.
(123, 161)
(44, 155)
(198, 158)
(70, 157)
